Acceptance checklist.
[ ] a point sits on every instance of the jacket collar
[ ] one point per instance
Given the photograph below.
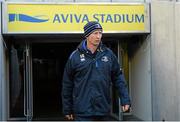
(83, 47)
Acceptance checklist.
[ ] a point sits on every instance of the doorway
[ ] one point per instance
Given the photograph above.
(48, 61)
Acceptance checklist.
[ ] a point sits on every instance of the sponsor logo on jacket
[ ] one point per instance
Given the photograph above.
(82, 57)
(104, 59)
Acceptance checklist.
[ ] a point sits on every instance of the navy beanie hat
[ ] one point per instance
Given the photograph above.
(91, 27)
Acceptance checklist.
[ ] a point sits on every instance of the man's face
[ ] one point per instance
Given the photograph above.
(95, 37)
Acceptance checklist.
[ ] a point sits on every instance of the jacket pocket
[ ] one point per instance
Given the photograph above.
(100, 105)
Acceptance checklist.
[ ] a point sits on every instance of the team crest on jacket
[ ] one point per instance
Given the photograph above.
(105, 59)
(82, 57)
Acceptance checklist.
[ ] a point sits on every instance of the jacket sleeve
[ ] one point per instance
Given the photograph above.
(119, 81)
(67, 88)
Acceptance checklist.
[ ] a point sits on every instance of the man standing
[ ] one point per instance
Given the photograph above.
(87, 79)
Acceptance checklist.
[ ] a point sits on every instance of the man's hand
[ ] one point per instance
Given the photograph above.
(69, 117)
(125, 108)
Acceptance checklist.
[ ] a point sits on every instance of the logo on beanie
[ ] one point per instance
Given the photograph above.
(98, 26)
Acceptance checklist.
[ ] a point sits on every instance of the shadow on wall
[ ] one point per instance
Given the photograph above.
(134, 43)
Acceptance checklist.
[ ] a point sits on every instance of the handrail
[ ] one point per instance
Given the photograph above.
(25, 95)
(28, 105)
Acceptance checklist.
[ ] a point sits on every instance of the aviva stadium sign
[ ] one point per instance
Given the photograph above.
(70, 18)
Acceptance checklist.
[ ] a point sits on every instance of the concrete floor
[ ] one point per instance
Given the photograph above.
(125, 118)
(130, 118)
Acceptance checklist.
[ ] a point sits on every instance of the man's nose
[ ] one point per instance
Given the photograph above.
(98, 35)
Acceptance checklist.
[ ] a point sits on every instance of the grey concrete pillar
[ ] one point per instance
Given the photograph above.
(140, 70)
(3, 95)
(177, 43)
(164, 61)
(0, 68)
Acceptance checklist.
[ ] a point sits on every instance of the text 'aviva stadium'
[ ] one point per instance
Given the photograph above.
(102, 18)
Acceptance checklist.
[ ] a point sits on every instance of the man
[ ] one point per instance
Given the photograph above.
(87, 79)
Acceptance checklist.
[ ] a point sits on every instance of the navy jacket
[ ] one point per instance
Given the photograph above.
(87, 80)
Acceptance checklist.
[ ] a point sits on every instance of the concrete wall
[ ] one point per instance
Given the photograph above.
(3, 95)
(2, 74)
(177, 55)
(165, 60)
(140, 79)
(3, 88)
(0, 68)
